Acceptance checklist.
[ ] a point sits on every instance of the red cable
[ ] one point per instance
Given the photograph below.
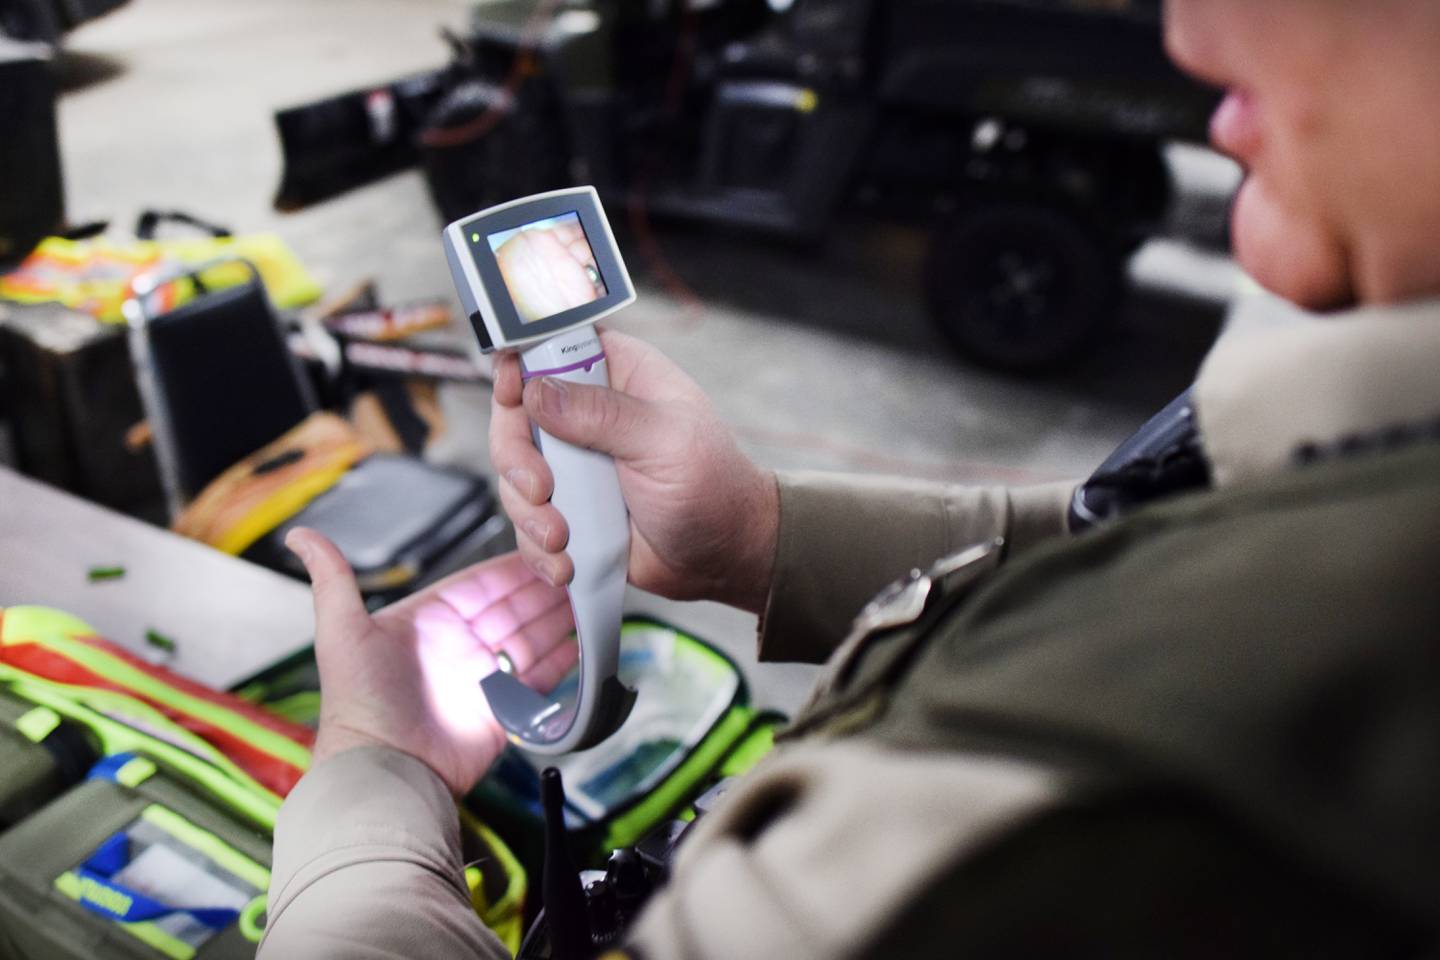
(521, 69)
(692, 306)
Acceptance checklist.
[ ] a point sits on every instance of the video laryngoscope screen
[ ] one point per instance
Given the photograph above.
(548, 266)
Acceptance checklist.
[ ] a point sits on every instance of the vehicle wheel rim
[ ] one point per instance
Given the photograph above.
(1014, 290)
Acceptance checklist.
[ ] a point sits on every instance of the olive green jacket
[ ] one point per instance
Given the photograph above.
(1212, 729)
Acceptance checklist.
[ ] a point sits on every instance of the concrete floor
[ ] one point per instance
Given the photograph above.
(819, 360)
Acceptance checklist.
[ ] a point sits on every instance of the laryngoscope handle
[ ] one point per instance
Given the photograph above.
(587, 494)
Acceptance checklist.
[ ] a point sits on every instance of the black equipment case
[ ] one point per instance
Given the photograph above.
(32, 203)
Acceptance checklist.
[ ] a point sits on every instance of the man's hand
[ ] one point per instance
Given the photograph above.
(703, 518)
(409, 676)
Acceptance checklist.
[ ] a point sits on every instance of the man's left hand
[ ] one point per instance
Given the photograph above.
(408, 677)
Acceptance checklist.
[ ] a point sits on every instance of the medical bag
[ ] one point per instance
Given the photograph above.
(691, 726)
(182, 803)
(40, 755)
(133, 863)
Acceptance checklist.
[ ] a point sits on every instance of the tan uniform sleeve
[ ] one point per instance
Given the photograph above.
(844, 538)
(816, 851)
(367, 865)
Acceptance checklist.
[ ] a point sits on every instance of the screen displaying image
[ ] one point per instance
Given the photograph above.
(548, 266)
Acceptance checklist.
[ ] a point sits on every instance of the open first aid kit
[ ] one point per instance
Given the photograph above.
(694, 726)
(132, 863)
(136, 807)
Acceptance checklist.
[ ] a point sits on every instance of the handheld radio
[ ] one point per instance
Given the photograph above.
(534, 275)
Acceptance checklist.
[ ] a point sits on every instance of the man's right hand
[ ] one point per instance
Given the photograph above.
(703, 518)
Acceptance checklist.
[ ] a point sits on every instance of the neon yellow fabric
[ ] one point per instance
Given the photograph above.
(250, 926)
(626, 829)
(93, 276)
(19, 623)
(302, 707)
(117, 670)
(506, 915)
(125, 725)
(37, 724)
(749, 751)
(630, 826)
(135, 772)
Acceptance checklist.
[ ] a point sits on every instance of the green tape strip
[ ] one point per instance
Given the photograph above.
(135, 772)
(750, 751)
(197, 760)
(118, 671)
(627, 828)
(505, 914)
(38, 724)
(252, 920)
(207, 843)
(302, 707)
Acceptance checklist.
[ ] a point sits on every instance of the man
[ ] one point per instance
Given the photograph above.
(1210, 729)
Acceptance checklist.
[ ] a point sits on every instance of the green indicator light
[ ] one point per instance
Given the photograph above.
(474, 238)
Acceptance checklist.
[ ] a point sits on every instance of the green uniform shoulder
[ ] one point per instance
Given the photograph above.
(1268, 652)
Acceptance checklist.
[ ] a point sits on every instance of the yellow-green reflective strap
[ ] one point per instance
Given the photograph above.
(475, 883)
(505, 916)
(113, 668)
(252, 926)
(143, 930)
(38, 724)
(751, 750)
(122, 708)
(302, 707)
(135, 772)
(201, 762)
(627, 828)
(17, 624)
(208, 844)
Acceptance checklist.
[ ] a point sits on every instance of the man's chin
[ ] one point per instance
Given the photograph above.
(1293, 256)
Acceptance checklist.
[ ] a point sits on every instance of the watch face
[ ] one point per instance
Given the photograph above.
(548, 266)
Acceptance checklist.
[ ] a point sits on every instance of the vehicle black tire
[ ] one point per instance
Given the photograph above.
(482, 146)
(36, 20)
(1022, 286)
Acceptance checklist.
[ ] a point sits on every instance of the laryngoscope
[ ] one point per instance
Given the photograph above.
(534, 275)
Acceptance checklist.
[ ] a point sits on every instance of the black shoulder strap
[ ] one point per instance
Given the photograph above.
(148, 224)
(1161, 459)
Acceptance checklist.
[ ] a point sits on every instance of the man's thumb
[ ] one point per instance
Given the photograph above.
(597, 418)
(337, 598)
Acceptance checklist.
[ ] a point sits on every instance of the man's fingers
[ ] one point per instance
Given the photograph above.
(542, 525)
(512, 451)
(556, 569)
(537, 638)
(468, 590)
(338, 608)
(597, 418)
(443, 634)
(504, 617)
(471, 591)
(552, 667)
(505, 375)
